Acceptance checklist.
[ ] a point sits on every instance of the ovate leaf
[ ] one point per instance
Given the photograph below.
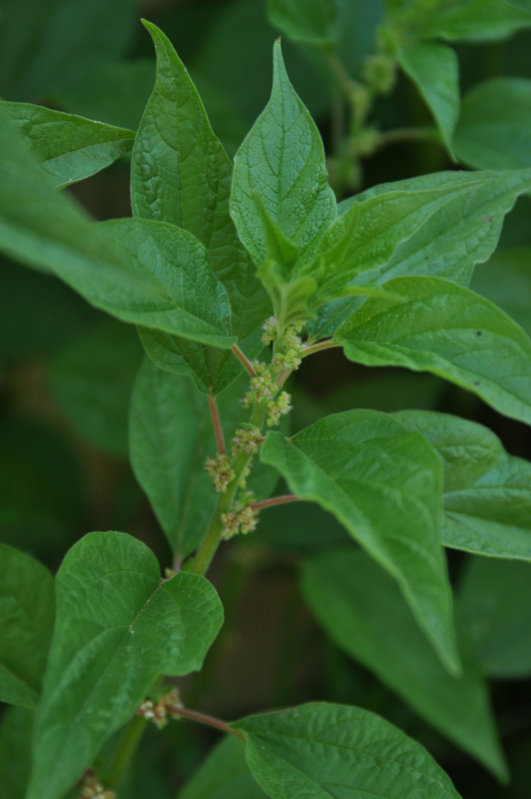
(494, 130)
(118, 627)
(312, 21)
(27, 605)
(462, 232)
(280, 173)
(223, 775)
(384, 485)
(446, 329)
(320, 750)
(434, 70)
(362, 610)
(140, 271)
(487, 494)
(182, 174)
(70, 148)
(495, 599)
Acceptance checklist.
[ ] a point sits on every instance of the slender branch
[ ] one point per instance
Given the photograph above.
(126, 749)
(216, 423)
(340, 74)
(270, 503)
(321, 345)
(203, 718)
(244, 360)
(407, 134)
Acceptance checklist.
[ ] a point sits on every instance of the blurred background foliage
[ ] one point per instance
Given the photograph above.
(67, 371)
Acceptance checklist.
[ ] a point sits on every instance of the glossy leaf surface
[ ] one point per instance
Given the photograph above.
(384, 485)
(446, 329)
(487, 494)
(70, 148)
(362, 610)
(118, 627)
(279, 173)
(27, 605)
(319, 749)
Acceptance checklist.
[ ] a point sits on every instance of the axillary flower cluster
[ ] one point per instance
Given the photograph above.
(265, 392)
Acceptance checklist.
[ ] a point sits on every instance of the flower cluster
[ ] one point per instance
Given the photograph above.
(220, 471)
(241, 521)
(158, 712)
(246, 441)
(290, 357)
(270, 331)
(93, 789)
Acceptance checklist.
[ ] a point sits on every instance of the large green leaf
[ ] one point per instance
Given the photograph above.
(69, 147)
(384, 485)
(487, 493)
(280, 175)
(27, 607)
(365, 236)
(171, 434)
(312, 21)
(462, 232)
(140, 271)
(118, 627)
(494, 130)
(446, 329)
(473, 20)
(16, 729)
(320, 750)
(495, 599)
(45, 44)
(434, 69)
(506, 280)
(223, 775)
(181, 174)
(361, 608)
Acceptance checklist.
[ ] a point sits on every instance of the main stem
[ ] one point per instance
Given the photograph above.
(212, 537)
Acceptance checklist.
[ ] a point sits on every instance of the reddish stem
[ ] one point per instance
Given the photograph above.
(216, 423)
(202, 718)
(244, 360)
(270, 503)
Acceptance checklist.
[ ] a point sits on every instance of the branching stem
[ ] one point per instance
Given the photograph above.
(203, 718)
(216, 424)
(321, 345)
(244, 360)
(270, 503)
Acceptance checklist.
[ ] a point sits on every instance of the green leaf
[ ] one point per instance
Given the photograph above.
(26, 621)
(487, 497)
(494, 130)
(434, 70)
(320, 750)
(281, 161)
(362, 610)
(506, 280)
(223, 775)
(118, 627)
(384, 485)
(446, 329)
(364, 237)
(16, 729)
(312, 21)
(143, 272)
(461, 233)
(171, 434)
(44, 44)
(92, 379)
(473, 20)
(181, 174)
(495, 599)
(70, 148)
